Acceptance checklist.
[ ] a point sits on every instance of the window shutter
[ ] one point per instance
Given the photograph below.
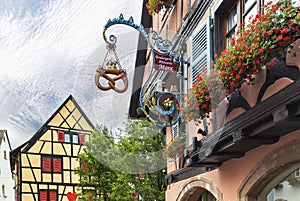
(201, 51)
(61, 136)
(46, 164)
(53, 195)
(57, 165)
(175, 130)
(81, 138)
(43, 195)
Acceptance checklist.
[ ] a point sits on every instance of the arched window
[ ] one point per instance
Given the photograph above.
(200, 190)
(206, 196)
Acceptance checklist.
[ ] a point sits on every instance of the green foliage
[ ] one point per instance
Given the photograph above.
(113, 161)
(175, 148)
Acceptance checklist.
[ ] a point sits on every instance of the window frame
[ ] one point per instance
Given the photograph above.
(4, 191)
(220, 12)
(175, 130)
(52, 164)
(297, 173)
(73, 135)
(247, 10)
(48, 194)
(69, 137)
(231, 30)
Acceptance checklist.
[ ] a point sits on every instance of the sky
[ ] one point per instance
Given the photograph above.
(50, 49)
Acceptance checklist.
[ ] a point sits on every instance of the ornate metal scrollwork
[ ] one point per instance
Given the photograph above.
(160, 108)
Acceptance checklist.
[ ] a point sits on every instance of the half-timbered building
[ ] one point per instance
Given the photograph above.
(45, 165)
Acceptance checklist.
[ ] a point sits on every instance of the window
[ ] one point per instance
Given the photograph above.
(226, 19)
(70, 137)
(5, 157)
(75, 139)
(297, 173)
(51, 164)
(67, 138)
(250, 9)
(229, 14)
(267, 1)
(206, 196)
(3, 191)
(175, 130)
(45, 195)
(231, 24)
(248, 4)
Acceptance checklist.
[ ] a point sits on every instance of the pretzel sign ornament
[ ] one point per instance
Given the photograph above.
(110, 68)
(159, 108)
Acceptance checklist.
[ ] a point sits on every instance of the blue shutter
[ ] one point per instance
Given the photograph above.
(201, 51)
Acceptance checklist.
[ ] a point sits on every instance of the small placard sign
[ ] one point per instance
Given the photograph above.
(164, 62)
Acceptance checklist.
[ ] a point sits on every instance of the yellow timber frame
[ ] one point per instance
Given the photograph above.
(46, 163)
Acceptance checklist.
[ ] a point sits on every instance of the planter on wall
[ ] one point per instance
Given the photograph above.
(267, 83)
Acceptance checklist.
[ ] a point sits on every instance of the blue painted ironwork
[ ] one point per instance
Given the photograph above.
(162, 46)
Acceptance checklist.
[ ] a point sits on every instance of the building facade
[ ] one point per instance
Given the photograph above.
(247, 149)
(44, 167)
(6, 178)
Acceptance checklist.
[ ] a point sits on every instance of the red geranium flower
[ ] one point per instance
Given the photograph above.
(271, 63)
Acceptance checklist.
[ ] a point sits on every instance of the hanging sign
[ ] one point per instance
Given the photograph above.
(164, 62)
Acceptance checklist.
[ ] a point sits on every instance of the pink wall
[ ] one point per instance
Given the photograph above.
(229, 177)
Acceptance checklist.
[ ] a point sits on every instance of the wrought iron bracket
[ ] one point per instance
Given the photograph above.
(159, 45)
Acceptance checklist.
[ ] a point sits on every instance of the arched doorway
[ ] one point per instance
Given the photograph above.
(270, 172)
(286, 189)
(200, 189)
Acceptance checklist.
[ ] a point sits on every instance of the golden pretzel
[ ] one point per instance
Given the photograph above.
(121, 74)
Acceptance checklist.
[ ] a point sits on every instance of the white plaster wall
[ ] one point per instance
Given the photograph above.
(5, 174)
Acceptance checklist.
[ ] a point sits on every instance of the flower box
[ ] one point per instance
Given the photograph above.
(154, 6)
(249, 72)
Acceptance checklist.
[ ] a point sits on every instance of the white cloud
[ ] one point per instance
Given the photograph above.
(50, 49)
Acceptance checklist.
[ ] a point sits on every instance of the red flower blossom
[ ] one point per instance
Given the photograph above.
(281, 44)
(261, 50)
(280, 37)
(204, 106)
(266, 37)
(270, 32)
(271, 63)
(284, 30)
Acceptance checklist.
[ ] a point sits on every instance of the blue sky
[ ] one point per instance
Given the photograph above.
(50, 49)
